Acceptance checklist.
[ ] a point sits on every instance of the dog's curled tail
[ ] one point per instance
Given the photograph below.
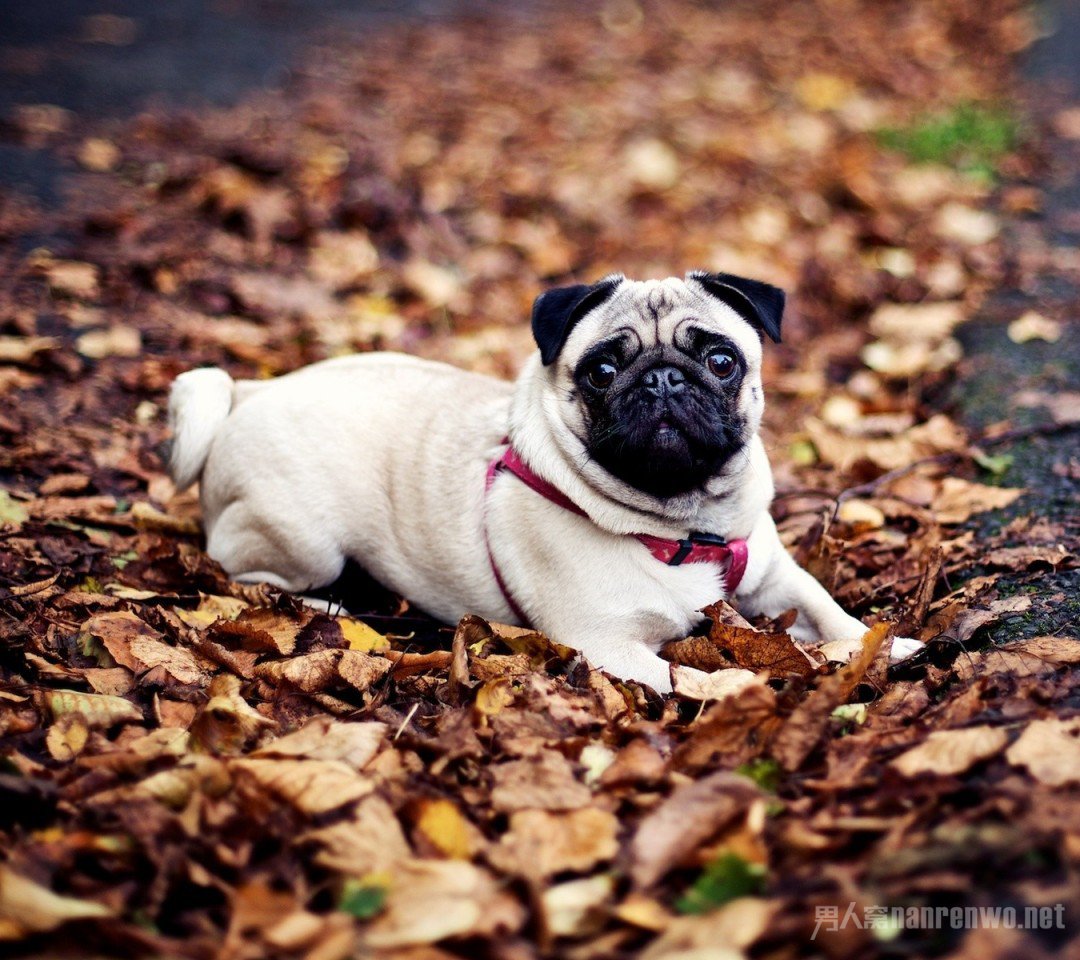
(199, 402)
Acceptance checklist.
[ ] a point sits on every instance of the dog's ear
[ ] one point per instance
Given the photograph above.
(760, 304)
(555, 312)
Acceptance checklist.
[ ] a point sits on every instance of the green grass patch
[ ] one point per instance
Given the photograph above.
(362, 899)
(764, 772)
(727, 878)
(969, 137)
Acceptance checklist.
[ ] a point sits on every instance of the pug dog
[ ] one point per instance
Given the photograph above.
(605, 497)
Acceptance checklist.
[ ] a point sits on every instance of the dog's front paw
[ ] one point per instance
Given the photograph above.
(841, 651)
(904, 647)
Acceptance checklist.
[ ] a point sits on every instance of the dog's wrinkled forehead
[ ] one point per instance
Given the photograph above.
(652, 311)
(569, 320)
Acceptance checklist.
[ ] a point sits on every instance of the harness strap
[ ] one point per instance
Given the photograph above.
(696, 548)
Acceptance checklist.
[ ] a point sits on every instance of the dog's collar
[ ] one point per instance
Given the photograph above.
(696, 548)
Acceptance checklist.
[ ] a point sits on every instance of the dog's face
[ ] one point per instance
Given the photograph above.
(660, 381)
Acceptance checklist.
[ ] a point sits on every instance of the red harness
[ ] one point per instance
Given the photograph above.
(697, 548)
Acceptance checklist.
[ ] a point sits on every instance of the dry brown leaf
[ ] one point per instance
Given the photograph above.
(433, 900)
(638, 762)
(211, 608)
(117, 630)
(695, 684)
(904, 322)
(73, 278)
(117, 341)
(27, 907)
(576, 908)
(178, 662)
(543, 782)
(722, 934)
(730, 645)
(369, 841)
(1050, 750)
(260, 630)
(312, 786)
(807, 724)
(227, 722)
(958, 500)
(950, 752)
(327, 670)
(684, 821)
(67, 737)
(731, 732)
(540, 844)
(938, 435)
(322, 738)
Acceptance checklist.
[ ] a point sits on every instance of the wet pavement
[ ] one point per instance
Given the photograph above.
(996, 371)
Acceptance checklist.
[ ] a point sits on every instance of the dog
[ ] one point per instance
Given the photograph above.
(605, 497)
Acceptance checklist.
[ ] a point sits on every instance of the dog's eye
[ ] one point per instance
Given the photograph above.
(601, 374)
(722, 363)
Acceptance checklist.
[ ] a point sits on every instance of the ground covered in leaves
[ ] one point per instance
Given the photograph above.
(193, 768)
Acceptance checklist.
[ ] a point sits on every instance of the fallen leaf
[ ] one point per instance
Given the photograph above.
(540, 844)
(326, 670)
(443, 826)
(311, 786)
(733, 644)
(27, 907)
(227, 722)
(576, 908)
(697, 685)
(652, 163)
(723, 934)
(958, 500)
(73, 278)
(1034, 326)
(99, 711)
(1050, 750)
(98, 155)
(24, 349)
(360, 636)
(951, 752)
(323, 738)
(544, 782)
(966, 225)
(861, 515)
(916, 322)
(116, 341)
(67, 737)
(433, 900)
(369, 840)
(730, 732)
(691, 815)
(807, 724)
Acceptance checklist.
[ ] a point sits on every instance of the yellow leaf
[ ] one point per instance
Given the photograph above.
(822, 91)
(446, 829)
(67, 737)
(211, 608)
(98, 709)
(362, 637)
(492, 697)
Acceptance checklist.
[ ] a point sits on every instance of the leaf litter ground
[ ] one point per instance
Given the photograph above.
(193, 768)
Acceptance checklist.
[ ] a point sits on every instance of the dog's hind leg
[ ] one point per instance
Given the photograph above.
(286, 553)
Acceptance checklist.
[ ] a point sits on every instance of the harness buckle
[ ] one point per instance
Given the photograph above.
(686, 546)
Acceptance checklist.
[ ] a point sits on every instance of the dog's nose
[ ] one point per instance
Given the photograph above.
(664, 381)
